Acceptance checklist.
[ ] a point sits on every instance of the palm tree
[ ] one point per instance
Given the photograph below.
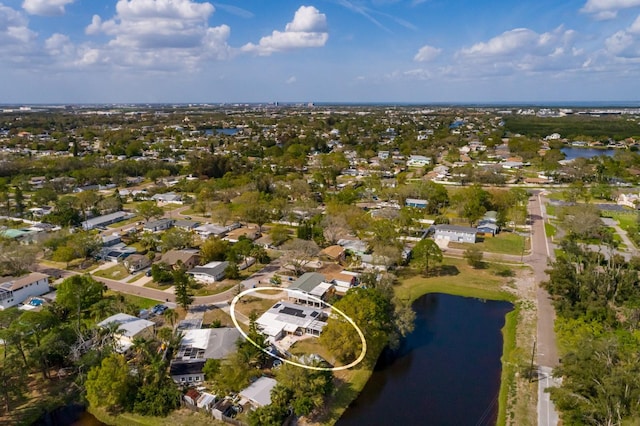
(171, 315)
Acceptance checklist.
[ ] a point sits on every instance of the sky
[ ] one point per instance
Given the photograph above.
(390, 51)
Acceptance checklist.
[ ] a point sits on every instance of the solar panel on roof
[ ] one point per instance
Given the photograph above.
(293, 312)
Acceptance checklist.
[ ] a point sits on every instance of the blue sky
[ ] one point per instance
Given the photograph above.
(95, 51)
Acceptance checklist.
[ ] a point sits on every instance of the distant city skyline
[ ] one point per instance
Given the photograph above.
(342, 51)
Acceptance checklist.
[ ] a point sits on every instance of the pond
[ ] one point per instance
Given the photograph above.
(572, 153)
(72, 414)
(447, 372)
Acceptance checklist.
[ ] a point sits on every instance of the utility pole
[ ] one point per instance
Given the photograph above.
(533, 354)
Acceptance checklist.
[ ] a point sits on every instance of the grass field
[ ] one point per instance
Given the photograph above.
(214, 288)
(116, 272)
(158, 286)
(458, 279)
(248, 304)
(140, 302)
(550, 229)
(179, 417)
(503, 243)
(625, 220)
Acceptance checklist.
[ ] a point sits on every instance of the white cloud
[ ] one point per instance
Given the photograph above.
(160, 34)
(291, 80)
(520, 50)
(46, 7)
(625, 43)
(308, 29)
(427, 53)
(607, 9)
(14, 29)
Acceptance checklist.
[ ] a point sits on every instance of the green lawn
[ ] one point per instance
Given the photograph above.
(624, 219)
(125, 222)
(551, 210)
(550, 229)
(462, 280)
(215, 288)
(116, 272)
(140, 302)
(503, 243)
(136, 278)
(158, 286)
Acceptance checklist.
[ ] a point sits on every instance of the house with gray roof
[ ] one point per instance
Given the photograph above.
(455, 233)
(128, 328)
(210, 272)
(196, 347)
(310, 283)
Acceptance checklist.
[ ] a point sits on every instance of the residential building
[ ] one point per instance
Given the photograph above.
(136, 262)
(196, 347)
(209, 273)
(310, 283)
(210, 230)
(187, 225)
(167, 198)
(334, 253)
(15, 290)
(128, 328)
(259, 392)
(416, 202)
(455, 233)
(285, 318)
(629, 200)
(188, 258)
(418, 161)
(158, 225)
(102, 221)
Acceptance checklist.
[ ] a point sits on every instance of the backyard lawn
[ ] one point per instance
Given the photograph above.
(503, 243)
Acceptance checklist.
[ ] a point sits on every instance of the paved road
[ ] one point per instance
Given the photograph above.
(547, 415)
(547, 349)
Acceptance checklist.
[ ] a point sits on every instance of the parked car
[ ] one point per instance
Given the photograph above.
(159, 309)
(148, 273)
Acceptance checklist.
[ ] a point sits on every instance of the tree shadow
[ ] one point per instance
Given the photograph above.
(445, 270)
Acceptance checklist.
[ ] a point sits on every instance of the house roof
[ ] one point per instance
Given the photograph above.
(179, 368)
(307, 282)
(212, 268)
(333, 252)
(288, 316)
(207, 343)
(128, 325)
(97, 221)
(173, 256)
(456, 228)
(15, 283)
(259, 392)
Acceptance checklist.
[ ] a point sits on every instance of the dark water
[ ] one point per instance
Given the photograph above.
(447, 372)
(72, 415)
(573, 153)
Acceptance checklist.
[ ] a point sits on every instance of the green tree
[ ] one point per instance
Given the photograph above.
(14, 381)
(110, 384)
(18, 199)
(176, 238)
(77, 293)
(184, 295)
(426, 253)
(211, 368)
(474, 257)
(213, 249)
(371, 311)
(149, 209)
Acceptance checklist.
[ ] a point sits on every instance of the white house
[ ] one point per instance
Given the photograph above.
(418, 161)
(15, 290)
(285, 318)
(167, 198)
(129, 327)
(259, 392)
(629, 200)
(461, 234)
(209, 273)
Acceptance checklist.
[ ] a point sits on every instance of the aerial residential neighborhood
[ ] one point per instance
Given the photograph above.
(128, 235)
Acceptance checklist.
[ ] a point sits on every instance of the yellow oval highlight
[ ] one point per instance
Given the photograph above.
(232, 312)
